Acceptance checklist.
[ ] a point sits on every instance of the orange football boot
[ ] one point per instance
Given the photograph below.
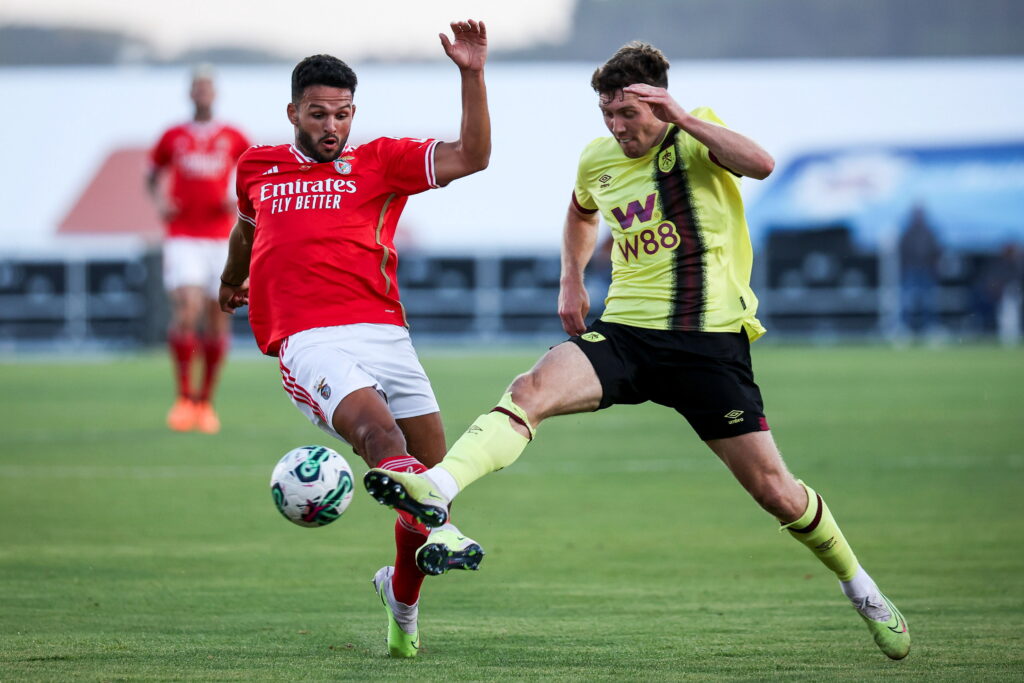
(182, 417)
(206, 418)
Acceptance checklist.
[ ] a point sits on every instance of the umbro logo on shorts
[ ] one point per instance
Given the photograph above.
(592, 337)
(734, 416)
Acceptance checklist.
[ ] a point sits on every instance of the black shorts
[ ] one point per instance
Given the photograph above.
(706, 376)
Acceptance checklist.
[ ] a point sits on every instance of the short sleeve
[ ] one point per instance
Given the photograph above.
(160, 156)
(246, 211)
(695, 148)
(408, 164)
(241, 144)
(582, 199)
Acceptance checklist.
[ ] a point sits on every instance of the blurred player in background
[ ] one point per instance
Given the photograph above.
(677, 325)
(197, 206)
(313, 255)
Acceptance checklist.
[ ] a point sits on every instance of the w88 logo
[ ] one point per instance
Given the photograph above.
(649, 241)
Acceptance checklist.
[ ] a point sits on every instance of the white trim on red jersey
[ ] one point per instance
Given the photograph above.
(429, 159)
(298, 154)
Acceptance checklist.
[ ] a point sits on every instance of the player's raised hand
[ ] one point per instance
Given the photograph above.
(469, 51)
(662, 104)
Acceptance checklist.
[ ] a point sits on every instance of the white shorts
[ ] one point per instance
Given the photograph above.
(196, 262)
(321, 366)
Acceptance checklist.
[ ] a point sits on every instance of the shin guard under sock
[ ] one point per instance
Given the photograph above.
(817, 530)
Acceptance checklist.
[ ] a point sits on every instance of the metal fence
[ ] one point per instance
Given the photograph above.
(810, 286)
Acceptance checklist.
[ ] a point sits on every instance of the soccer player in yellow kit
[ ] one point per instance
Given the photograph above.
(678, 321)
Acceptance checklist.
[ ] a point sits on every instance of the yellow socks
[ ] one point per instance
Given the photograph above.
(817, 530)
(488, 445)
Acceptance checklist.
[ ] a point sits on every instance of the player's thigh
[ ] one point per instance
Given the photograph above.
(186, 263)
(387, 353)
(317, 376)
(194, 262)
(363, 420)
(562, 382)
(707, 377)
(214, 255)
(749, 456)
(424, 437)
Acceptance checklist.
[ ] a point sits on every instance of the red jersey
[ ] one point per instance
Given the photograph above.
(323, 252)
(201, 157)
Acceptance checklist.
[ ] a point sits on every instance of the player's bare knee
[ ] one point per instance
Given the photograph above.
(526, 392)
(521, 389)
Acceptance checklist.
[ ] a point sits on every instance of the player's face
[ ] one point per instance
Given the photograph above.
(322, 120)
(631, 122)
(203, 93)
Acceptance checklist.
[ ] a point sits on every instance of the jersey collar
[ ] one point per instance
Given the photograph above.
(298, 154)
(301, 156)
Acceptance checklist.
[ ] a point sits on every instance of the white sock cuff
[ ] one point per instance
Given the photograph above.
(405, 615)
(860, 586)
(443, 480)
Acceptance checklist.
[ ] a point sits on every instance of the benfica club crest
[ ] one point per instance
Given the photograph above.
(342, 166)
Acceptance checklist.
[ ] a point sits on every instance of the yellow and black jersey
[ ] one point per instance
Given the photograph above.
(682, 254)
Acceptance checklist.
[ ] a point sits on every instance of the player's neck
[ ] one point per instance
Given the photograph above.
(299, 146)
(659, 138)
(203, 115)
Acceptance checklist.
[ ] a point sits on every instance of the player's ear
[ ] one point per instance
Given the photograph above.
(293, 113)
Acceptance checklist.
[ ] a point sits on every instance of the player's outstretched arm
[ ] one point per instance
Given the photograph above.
(163, 207)
(472, 151)
(578, 240)
(234, 280)
(736, 152)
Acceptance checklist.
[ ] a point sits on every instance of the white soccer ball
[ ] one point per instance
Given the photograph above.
(312, 485)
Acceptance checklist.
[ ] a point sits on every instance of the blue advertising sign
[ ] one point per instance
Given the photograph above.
(973, 196)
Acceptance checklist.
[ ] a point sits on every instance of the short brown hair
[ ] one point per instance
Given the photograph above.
(634, 62)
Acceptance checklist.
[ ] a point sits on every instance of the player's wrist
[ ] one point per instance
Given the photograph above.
(573, 282)
(231, 284)
(683, 119)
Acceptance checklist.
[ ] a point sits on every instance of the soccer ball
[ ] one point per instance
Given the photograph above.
(312, 485)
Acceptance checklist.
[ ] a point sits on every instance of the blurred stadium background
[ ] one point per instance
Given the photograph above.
(875, 112)
(128, 551)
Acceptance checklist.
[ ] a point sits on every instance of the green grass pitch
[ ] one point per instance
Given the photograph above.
(129, 552)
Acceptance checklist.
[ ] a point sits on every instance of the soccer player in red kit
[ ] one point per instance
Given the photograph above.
(200, 158)
(313, 256)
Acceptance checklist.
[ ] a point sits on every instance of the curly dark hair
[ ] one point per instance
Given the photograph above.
(321, 70)
(634, 62)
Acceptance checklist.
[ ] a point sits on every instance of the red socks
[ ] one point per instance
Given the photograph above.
(182, 347)
(409, 536)
(214, 351)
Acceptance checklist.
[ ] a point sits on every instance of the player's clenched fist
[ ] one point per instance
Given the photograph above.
(233, 297)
